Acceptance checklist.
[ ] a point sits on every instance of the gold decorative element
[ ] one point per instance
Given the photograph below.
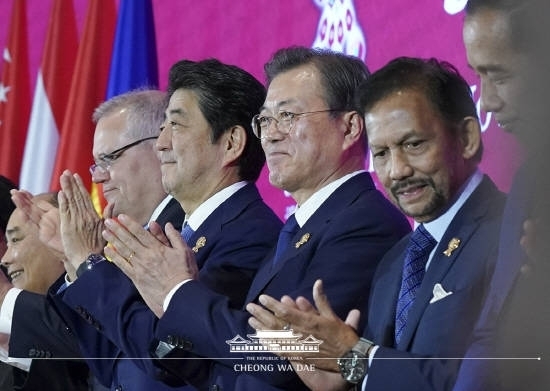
(303, 240)
(200, 243)
(452, 246)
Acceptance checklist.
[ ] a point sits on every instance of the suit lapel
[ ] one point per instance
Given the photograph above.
(210, 230)
(462, 227)
(307, 236)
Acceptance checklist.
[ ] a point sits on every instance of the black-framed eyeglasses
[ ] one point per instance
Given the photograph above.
(107, 159)
(283, 121)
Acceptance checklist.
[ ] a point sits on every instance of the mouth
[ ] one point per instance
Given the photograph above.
(409, 191)
(506, 124)
(15, 274)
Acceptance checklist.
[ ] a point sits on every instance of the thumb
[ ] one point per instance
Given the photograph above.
(321, 300)
(352, 319)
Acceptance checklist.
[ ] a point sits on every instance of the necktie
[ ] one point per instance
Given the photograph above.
(187, 232)
(285, 236)
(421, 244)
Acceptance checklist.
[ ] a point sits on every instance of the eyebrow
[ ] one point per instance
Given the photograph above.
(179, 112)
(12, 231)
(281, 103)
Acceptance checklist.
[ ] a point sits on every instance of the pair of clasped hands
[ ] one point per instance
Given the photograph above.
(155, 261)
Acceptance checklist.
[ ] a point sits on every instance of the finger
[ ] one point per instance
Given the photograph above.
(136, 231)
(62, 201)
(121, 262)
(66, 183)
(174, 236)
(321, 300)
(289, 302)
(120, 238)
(304, 305)
(264, 318)
(108, 211)
(156, 231)
(83, 195)
(353, 318)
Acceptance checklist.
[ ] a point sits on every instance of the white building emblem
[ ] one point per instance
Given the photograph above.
(274, 341)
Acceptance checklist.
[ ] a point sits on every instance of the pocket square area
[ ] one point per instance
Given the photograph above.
(439, 293)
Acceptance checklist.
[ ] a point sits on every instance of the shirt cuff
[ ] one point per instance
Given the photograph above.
(371, 357)
(172, 292)
(6, 311)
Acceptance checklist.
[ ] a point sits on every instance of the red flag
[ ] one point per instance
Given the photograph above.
(51, 97)
(14, 94)
(88, 89)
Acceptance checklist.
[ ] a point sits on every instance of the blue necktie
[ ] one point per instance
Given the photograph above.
(285, 236)
(421, 244)
(187, 232)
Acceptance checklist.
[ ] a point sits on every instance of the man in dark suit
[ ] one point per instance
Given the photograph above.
(127, 167)
(33, 266)
(506, 45)
(210, 160)
(315, 146)
(426, 144)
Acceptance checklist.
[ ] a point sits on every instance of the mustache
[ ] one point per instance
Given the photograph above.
(398, 186)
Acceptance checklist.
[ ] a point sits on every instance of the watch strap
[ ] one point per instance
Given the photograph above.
(89, 263)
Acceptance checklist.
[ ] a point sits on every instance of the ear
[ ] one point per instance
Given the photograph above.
(355, 128)
(234, 141)
(470, 136)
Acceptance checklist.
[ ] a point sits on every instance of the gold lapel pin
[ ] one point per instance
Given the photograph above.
(200, 243)
(305, 237)
(452, 246)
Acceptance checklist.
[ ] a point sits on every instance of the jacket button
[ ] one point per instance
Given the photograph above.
(32, 352)
(170, 340)
(118, 388)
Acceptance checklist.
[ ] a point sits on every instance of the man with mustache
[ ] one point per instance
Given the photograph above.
(425, 138)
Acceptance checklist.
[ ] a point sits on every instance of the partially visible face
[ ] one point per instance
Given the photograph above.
(500, 67)
(30, 264)
(191, 164)
(416, 157)
(3, 246)
(133, 182)
(309, 157)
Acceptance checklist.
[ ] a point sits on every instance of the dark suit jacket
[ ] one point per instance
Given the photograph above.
(441, 329)
(472, 375)
(39, 330)
(341, 244)
(230, 245)
(515, 319)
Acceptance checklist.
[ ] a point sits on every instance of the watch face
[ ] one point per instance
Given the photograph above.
(353, 367)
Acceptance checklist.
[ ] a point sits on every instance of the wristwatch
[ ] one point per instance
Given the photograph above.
(89, 263)
(355, 363)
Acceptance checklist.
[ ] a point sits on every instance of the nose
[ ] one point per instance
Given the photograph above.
(272, 132)
(490, 100)
(7, 258)
(164, 139)
(400, 167)
(100, 175)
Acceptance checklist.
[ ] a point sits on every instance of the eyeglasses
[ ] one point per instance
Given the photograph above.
(106, 160)
(283, 121)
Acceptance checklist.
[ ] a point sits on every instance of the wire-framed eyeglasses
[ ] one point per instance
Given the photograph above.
(106, 160)
(283, 121)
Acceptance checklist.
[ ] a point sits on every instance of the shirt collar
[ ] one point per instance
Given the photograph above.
(308, 208)
(207, 207)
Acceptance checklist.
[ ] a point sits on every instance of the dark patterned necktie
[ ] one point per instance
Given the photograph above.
(421, 244)
(285, 236)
